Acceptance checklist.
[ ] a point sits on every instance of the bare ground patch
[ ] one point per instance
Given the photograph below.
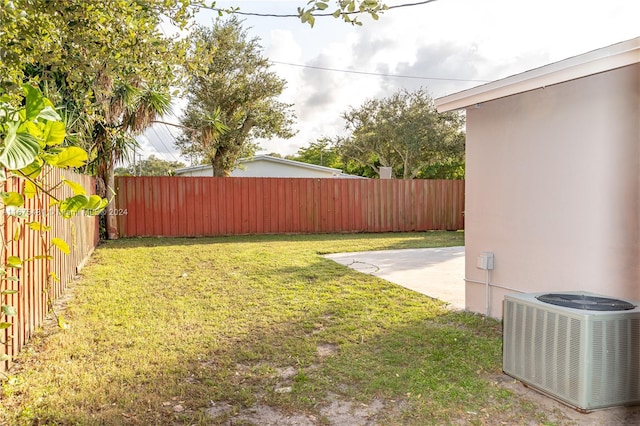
(327, 349)
(563, 414)
(335, 411)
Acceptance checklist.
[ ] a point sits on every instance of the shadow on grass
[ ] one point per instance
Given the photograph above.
(158, 334)
(431, 369)
(404, 240)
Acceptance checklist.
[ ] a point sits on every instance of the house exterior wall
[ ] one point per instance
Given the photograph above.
(553, 188)
(265, 168)
(200, 172)
(271, 169)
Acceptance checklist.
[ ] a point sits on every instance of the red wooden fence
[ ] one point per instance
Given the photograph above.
(81, 233)
(208, 206)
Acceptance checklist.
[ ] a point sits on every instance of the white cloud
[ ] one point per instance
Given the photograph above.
(455, 39)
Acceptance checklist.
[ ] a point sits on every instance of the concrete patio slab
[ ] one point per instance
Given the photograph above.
(436, 272)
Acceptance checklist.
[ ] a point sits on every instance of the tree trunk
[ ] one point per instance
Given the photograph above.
(111, 217)
(217, 163)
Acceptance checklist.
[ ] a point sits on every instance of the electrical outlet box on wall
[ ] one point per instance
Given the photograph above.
(485, 260)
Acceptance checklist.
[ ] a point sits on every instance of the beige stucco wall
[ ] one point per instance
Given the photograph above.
(553, 187)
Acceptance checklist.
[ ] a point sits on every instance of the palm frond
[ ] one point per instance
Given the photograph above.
(150, 104)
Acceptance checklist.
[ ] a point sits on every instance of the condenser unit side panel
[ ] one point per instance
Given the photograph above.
(615, 354)
(542, 348)
(589, 360)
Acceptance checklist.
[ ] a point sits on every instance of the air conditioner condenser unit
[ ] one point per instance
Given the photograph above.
(578, 347)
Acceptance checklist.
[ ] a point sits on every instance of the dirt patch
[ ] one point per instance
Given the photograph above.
(261, 415)
(286, 373)
(336, 412)
(563, 414)
(340, 412)
(327, 349)
(219, 409)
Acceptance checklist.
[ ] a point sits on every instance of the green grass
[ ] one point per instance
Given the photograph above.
(157, 323)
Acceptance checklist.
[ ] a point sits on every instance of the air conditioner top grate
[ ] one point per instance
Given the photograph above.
(585, 302)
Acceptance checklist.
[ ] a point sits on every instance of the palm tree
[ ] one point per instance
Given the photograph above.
(126, 113)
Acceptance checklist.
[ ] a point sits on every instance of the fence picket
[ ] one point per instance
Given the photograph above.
(81, 233)
(236, 206)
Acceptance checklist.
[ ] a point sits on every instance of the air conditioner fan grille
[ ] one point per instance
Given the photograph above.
(586, 302)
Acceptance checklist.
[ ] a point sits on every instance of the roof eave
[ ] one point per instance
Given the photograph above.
(594, 62)
(290, 163)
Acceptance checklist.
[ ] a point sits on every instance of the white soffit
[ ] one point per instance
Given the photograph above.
(607, 58)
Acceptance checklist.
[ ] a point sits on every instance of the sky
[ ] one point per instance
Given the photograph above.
(445, 46)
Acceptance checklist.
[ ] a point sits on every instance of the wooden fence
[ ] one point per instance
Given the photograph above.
(33, 287)
(208, 206)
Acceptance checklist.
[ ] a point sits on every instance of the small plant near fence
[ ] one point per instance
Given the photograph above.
(33, 158)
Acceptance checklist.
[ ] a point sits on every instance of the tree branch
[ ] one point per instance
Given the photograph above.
(166, 123)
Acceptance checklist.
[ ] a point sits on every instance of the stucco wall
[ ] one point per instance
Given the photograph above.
(553, 189)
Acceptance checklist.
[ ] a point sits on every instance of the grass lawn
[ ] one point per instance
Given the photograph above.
(253, 330)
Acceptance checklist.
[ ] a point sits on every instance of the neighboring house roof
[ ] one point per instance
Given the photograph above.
(597, 61)
(300, 164)
(330, 171)
(192, 169)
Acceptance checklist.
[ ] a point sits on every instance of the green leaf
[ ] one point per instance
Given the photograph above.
(20, 149)
(321, 6)
(6, 292)
(42, 257)
(33, 129)
(14, 262)
(72, 156)
(32, 170)
(54, 133)
(49, 113)
(34, 102)
(30, 189)
(9, 310)
(75, 187)
(54, 276)
(61, 244)
(37, 226)
(12, 278)
(5, 325)
(4, 357)
(72, 205)
(12, 199)
(49, 158)
(95, 205)
(62, 323)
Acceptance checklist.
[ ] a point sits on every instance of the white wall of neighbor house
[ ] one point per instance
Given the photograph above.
(266, 168)
(197, 171)
(553, 189)
(271, 169)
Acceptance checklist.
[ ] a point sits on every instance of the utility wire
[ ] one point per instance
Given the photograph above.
(159, 137)
(288, 15)
(376, 73)
(166, 128)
